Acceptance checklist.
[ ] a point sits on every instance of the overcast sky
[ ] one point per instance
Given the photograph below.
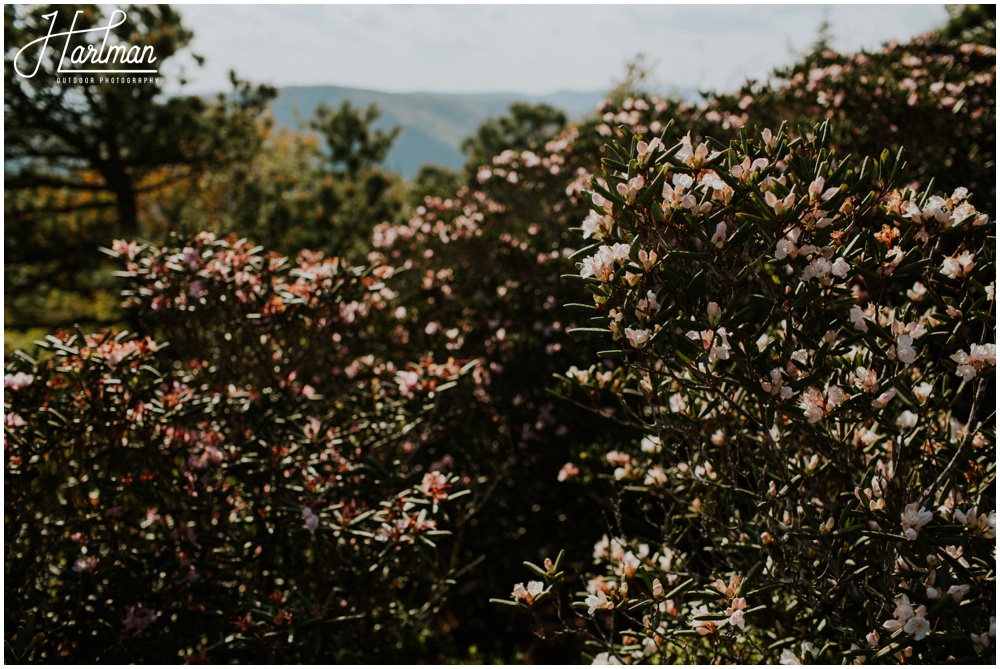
(524, 48)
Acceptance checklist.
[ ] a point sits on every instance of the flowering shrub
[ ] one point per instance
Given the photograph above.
(817, 479)
(254, 489)
(934, 95)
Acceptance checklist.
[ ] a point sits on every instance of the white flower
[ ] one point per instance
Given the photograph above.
(17, 381)
(714, 312)
(598, 600)
(785, 248)
(907, 420)
(720, 351)
(637, 337)
(737, 617)
(917, 627)
(884, 398)
(840, 268)
(975, 361)
(912, 520)
(84, 564)
(628, 565)
(644, 150)
(647, 259)
(650, 444)
(958, 592)
(859, 315)
(866, 379)
(818, 268)
(595, 225)
(529, 594)
(605, 658)
(922, 391)
(789, 657)
(904, 349)
(956, 266)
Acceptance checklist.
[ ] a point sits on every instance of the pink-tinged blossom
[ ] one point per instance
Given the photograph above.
(815, 405)
(631, 189)
(704, 627)
(598, 601)
(435, 486)
(568, 471)
(818, 268)
(645, 150)
(17, 381)
(407, 381)
(721, 350)
(719, 238)
(601, 265)
(638, 337)
(958, 592)
(922, 391)
(628, 566)
(84, 564)
(648, 259)
(737, 618)
(777, 204)
(917, 292)
(714, 313)
(528, 594)
(866, 379)
(884, 398)
(912, 520)
(905, 352)
(785, 248)
(859, 316)
(596, 225)
(975, 361)
(954, 267)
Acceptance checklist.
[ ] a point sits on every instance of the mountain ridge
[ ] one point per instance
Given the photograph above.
(433, 124)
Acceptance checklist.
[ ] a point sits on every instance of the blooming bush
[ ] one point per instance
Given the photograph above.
(817, 479)
(764, 378)
(934, 95)
(256, 489)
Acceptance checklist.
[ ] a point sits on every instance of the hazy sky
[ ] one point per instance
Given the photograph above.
(524, 48)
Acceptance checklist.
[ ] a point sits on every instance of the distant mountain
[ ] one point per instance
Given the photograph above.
(434, 124)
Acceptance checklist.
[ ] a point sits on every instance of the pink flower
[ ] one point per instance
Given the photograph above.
(637, 337)
(527, 594)
(568, 471)
(435, 485)
(17, 381)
